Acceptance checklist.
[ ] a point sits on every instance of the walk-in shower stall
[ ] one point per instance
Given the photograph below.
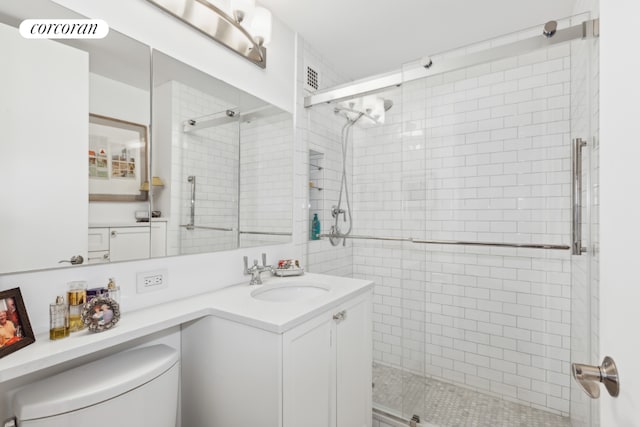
(473, 208)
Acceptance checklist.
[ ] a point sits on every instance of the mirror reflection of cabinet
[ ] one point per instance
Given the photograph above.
(126, 242)
(241, 159)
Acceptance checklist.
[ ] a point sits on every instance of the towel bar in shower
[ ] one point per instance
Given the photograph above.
(458, 242)
(204, 227)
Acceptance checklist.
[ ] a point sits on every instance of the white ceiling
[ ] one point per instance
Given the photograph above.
(361, 38)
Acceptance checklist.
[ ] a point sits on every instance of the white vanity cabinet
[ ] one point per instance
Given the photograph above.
(127, 242)
(315, 374)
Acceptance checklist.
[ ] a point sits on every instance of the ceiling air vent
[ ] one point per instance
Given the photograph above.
(312, 79)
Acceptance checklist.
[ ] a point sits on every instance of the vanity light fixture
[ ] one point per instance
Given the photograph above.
(236, 24)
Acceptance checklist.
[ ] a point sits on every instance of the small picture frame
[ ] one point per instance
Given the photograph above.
(100, 314)
(15, 328)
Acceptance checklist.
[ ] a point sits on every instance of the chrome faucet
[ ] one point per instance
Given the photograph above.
(256, 269)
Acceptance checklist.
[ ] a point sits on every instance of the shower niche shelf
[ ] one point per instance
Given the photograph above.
(316, 185)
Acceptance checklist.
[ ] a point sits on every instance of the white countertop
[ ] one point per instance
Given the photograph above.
(233, 303)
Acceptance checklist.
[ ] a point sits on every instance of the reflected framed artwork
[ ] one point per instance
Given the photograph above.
(117, 159)
(15, 328)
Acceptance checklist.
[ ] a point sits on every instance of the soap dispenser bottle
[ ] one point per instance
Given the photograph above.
(315, 227)
(113, 290)
(58, 319)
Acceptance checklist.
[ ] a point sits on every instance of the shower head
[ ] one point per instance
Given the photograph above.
(354, 110)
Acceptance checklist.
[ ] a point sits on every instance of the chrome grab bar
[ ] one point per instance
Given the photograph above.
(576, 197)
(458, 242)
(192, 214)
(495, 244)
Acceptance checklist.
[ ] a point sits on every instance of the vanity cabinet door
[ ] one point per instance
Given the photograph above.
(158, 239)
(354, 364)
(128, 243)
(309, 374)
(327, 368)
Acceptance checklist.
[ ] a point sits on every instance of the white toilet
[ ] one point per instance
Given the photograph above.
(132, 388)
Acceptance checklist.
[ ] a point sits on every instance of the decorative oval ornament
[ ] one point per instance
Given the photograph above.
(100, 314)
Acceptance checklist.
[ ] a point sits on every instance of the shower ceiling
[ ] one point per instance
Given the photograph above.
(366, 37)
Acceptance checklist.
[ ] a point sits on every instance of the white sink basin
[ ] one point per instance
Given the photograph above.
(292, 291)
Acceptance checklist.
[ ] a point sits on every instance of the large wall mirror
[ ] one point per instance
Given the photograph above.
(52, 156)
(225, 161)
(81, 166)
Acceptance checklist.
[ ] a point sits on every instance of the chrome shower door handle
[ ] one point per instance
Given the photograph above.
(576, 197)
(588, 377)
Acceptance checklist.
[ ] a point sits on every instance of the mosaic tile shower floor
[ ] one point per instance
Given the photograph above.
(446, 405)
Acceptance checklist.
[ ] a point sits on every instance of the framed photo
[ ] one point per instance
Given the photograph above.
(100, 314)
(117, 160)
(15, 328)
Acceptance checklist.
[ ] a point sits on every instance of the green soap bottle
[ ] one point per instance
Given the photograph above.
(315, 227)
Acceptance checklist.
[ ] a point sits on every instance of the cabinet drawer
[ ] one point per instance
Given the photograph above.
(98, 239)
(98, 257)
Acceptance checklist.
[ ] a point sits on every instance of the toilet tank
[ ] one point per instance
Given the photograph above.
(133, 388)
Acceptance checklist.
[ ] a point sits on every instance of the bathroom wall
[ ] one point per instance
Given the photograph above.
(480, 154)
(319, 129)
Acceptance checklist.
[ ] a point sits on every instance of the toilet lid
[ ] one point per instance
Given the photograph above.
(93, 383)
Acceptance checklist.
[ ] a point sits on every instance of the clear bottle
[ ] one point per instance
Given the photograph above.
(58, 319)
(76, 297)
(113, 290)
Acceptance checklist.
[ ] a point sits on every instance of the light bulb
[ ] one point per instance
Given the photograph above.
(242, 9)
(261, 26)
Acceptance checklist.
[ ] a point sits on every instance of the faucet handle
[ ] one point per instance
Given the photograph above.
(264, 259)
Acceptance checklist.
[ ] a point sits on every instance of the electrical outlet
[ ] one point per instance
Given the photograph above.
(151, 281)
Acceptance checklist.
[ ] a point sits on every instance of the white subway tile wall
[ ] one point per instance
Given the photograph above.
(481, 154)
(266, 176)
(212, 156)
(319, 130)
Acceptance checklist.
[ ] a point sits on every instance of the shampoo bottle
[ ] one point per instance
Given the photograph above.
(315, 227)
